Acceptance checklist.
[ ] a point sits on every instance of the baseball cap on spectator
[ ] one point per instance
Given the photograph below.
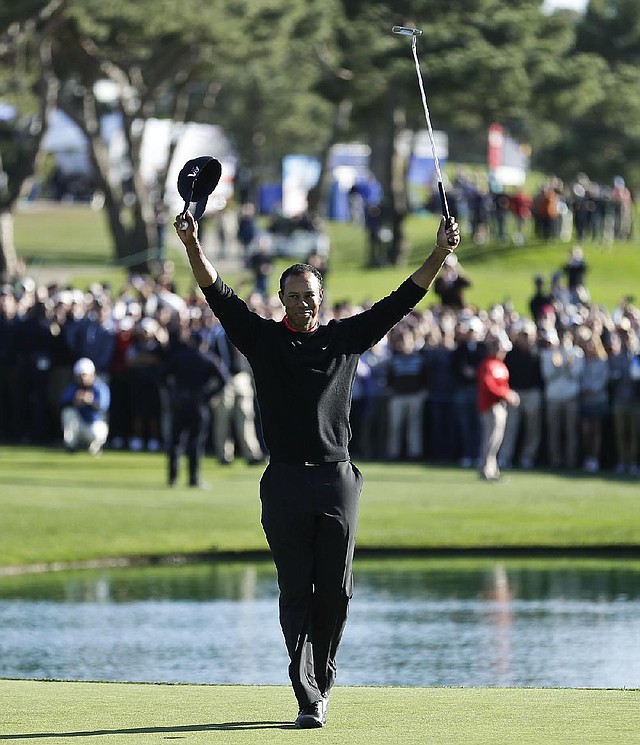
(498, 340)
(623, 324)
(65, 297)
(496, 313)
(125, 324)
(149, 325)
(134, 309)
(526, 326)
(550, 335)
(84, 366)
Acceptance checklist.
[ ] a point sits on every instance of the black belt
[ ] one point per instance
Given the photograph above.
(310, 463)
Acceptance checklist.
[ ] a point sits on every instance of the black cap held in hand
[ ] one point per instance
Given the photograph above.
(197, 179)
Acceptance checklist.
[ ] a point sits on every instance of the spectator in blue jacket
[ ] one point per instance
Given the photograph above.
(85, 404)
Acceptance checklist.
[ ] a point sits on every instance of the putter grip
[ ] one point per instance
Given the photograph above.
(445, 208)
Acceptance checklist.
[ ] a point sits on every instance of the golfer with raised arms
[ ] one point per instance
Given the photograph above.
(304, 374)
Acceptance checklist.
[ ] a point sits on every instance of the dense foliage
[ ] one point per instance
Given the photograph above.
(283, 76)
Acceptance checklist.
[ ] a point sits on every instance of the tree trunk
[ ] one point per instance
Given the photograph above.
(130, 223)
(318, 197)
(400, 199)
(390, 168)
(8, 256)
(28, 138)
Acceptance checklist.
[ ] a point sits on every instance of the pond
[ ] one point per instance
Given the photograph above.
(412, 622)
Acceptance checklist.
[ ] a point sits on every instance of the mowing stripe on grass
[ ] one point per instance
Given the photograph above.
(61, 509)
(62, 713)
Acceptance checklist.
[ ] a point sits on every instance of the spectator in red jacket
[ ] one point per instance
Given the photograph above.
(494, 393)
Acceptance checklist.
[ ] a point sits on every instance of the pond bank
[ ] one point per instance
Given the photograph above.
(611, 551)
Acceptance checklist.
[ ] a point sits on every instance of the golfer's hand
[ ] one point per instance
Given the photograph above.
(187, 234)
(448, 234)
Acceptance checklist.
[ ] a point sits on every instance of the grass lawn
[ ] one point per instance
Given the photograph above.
(58, 507)
(71, 244)
(61, 508)
(59, 713)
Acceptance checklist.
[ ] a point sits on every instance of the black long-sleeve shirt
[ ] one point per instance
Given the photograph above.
(524, 369)
(188, 371)
(304, 380)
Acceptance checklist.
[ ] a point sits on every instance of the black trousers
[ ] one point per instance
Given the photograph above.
(310, 516)
(189, 428)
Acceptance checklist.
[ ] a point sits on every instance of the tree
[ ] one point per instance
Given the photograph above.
(243, 65)
(27, 96)
(599, 122)
(285, 76)
(480, 64)
(153, 56)
(267, 102)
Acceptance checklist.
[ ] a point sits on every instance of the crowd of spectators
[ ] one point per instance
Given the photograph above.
(574, 364)
(580, 210)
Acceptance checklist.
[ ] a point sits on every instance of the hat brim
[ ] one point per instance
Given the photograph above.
(200, 207)
(197, 180)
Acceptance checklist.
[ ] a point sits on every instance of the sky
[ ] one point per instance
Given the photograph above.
(573, 4)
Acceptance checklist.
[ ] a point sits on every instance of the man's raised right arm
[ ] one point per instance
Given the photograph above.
(203, 270)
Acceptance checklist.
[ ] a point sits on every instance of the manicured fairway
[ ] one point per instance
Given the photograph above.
(59, 508)
(116, 713)
(71, 244)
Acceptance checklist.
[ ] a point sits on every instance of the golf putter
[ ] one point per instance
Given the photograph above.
(414, 33)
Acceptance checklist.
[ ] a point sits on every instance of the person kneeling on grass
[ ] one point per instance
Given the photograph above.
(85, 404)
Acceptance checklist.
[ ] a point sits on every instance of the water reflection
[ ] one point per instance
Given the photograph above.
(412, 622)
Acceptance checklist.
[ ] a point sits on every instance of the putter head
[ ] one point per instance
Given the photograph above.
(197, 179)
(406, 31)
